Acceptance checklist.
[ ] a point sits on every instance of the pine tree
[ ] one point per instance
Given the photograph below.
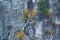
(58, 0)
(41, 9)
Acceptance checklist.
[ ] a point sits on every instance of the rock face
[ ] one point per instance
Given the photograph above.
(30, 5)
(2, 18)
(11, 14)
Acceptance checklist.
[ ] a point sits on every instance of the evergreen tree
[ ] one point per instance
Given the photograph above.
(42, 5)
(58, 0)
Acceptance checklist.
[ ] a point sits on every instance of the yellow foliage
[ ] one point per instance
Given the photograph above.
(47, 13)
(24, 19)
(33, 13)
(25, 12)
(47, 10)
(20, 34)
(49, 30)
